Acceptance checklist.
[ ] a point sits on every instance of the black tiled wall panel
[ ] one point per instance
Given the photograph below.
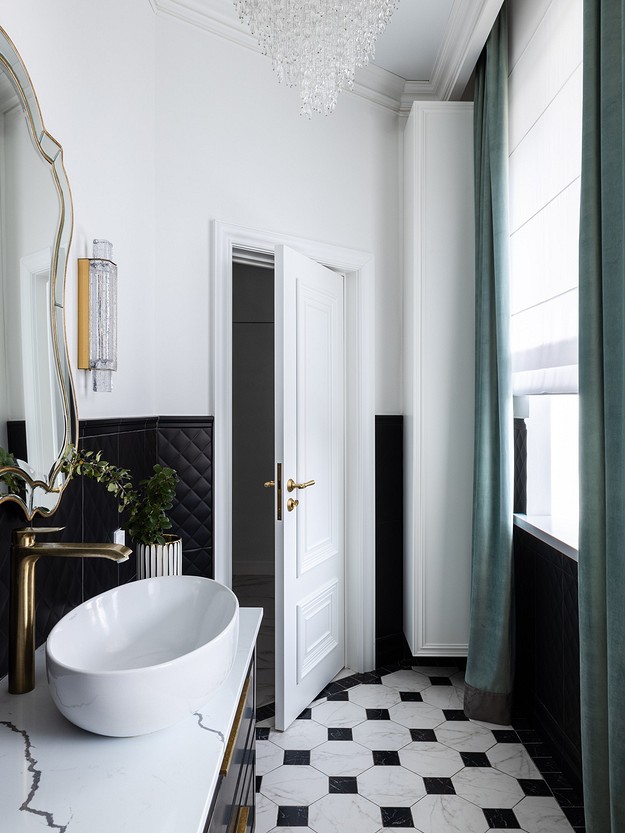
(89, 513)
(391, 644)
(547, 646)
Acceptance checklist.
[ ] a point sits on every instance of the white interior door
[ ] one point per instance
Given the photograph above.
(309, 418)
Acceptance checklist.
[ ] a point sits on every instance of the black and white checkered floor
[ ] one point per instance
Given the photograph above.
(382, 751)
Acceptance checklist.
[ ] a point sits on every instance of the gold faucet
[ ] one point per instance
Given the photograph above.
(25, 552)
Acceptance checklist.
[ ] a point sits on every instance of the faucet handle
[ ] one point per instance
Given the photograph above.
(26, 537)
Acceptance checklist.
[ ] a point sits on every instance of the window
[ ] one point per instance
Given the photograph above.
(545, 107)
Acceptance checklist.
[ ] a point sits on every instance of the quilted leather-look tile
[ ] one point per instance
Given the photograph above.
(188, 449)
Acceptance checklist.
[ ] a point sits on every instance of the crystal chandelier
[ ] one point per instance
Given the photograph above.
(317, 44)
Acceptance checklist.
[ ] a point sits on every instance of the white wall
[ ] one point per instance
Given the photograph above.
(232, 146)
(92, 67)
(165, 127)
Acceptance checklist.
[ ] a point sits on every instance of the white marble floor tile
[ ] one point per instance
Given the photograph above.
(294, 785)
(391, 786)
(448, 814)
(443, 696)
(339, 714)
(302, 734)
(465, 736)
(341, 757)
(487, 787)
(266, 814)
(374, 696)
(381, 734)
(541, 814)
(406, 680)
(431, 760)
(341, 813)
(513, 759)
(417, 715)
(268, 756)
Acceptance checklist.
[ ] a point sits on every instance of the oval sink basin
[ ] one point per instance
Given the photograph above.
(143, 656)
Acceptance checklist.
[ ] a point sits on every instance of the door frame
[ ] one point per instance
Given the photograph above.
(359, 270)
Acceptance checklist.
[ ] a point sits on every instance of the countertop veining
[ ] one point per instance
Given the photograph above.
(55, 776)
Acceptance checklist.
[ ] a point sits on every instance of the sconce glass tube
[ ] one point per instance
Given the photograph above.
(97, 315)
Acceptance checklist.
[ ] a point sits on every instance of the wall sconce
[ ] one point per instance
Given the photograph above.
(97, 315)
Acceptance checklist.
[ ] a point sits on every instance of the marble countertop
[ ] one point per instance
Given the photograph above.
(55, 776)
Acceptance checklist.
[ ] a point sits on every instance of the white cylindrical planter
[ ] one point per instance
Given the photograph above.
(160, 559)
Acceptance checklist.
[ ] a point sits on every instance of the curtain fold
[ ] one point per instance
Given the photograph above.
(602, 418)
(488, 689)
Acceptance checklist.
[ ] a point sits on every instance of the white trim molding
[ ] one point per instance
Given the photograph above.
(359, 270)
(468, 27)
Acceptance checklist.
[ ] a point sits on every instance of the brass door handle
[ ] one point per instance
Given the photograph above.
(269, 484)
(292, 485)
(291, 504)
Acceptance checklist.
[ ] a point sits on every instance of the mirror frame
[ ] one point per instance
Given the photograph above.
(52, 152)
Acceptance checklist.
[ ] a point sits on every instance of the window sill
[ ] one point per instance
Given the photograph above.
(559, 533)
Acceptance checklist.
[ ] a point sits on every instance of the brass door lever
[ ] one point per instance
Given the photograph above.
(292, 485)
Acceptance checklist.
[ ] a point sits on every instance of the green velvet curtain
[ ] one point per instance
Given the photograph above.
(488, 690)
(602, 418)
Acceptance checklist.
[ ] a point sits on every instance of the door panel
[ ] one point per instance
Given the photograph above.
(310, 445)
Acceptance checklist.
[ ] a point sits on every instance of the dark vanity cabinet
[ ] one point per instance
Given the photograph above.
(232, 809)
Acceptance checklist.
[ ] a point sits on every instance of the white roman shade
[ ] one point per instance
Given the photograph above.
(545, 101)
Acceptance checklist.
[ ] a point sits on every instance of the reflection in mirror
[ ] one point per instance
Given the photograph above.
(38, 418)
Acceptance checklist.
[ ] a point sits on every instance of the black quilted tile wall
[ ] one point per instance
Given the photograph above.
(89, 513)
(547, 647)
(186, 444)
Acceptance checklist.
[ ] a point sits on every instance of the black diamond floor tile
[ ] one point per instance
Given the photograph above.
(305, 715)
(396, 817)
(292, 817)
(411, 696)
(440, 681)
(454, 714)
(474, 759)
(296, 757)
(378, 714)
(534, 786)
(423, 735)
(439, 786)
(501, 819)
(343, 784)
(385, 758)
(341, 695)
(340, 734)
(262, 733)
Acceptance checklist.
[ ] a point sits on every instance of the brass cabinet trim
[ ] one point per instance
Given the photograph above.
(242, 817)
(227, 759)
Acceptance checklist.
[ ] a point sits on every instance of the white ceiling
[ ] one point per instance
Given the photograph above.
(409, 45)
(427, 51)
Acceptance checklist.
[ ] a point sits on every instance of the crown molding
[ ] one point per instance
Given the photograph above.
(469, 25)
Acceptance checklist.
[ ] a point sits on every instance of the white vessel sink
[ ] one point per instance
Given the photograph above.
(144, 655)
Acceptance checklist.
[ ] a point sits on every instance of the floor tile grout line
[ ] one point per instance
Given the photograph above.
(527, 744)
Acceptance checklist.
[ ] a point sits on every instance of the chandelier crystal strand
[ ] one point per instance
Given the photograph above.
(317, 45)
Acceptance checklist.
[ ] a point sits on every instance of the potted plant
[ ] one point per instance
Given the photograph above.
(145, 507)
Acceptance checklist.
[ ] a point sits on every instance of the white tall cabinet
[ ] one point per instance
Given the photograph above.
(439, 351)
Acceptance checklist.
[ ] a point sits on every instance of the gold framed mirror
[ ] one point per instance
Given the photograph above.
(38, 416)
